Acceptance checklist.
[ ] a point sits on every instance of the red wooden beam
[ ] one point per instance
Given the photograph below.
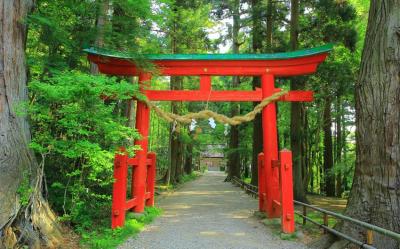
(205, 83)
(231, 95)
(196, 95)
(279, 67)
(130, 203)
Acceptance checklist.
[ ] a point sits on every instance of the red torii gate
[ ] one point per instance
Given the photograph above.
(275, 170)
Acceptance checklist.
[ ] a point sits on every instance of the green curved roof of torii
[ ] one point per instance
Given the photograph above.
(274, 56)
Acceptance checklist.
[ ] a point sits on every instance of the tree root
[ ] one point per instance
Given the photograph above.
(35, 226)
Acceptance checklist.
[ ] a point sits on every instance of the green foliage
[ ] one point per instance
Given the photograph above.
(189, 177)
(80, 133)
(316, 216)
(106, 238)
(24, 190)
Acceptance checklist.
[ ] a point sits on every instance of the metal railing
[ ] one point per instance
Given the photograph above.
(248, 188)
(253, 190)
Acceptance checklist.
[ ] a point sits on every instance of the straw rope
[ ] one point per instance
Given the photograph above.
(206, 114)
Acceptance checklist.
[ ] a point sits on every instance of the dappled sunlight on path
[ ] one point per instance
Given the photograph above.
(208, 213)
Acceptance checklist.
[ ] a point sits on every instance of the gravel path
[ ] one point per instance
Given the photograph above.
(208, 213)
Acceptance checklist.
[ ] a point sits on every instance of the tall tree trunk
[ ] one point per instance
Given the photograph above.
(375, 194)
(269, 26)
(234, 157)
(296, 113)
(189, 148)
(176, 84)
(339, 145)
(328, 150)
(189, 159)
(175, 143)
(257, 124)
(100, 25)
(29, 222)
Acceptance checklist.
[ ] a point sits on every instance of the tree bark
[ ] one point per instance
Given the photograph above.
(175, 143)
(328, 151)
(189, 159)
(339, 145)
(257, 124)
(375, 194)
(269, 27)
(100, 25)
(31, 222)
(296, 113)
(234, 157)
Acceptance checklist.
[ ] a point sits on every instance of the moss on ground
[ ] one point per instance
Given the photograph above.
(107, 238)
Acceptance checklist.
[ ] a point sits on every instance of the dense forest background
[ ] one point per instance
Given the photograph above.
(76, 133)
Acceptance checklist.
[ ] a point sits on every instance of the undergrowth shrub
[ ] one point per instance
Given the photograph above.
(78, 124)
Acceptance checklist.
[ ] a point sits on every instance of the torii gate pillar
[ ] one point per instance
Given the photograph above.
(270, 138)
(139, 174)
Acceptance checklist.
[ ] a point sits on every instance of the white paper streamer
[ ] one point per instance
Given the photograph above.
(192, 125)
(212, 123)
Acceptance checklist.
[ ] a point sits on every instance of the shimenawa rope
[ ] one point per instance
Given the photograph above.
(206, 114)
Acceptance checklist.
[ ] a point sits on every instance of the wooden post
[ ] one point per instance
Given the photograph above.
(305, 214)
(326, 222)
(151, 178)
(270, 138)
(119, 190)
(261, 182)
(370, 237)
(142, 125)
(286, 187)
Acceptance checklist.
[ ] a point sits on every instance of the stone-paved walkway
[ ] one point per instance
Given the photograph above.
(208, 214)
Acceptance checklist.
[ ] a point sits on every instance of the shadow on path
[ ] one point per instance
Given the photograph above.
(208, 213)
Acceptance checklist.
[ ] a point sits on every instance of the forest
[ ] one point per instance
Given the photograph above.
(62, 121)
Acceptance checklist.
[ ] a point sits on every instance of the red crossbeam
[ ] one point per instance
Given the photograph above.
(130, 204)
(279, 67)
(232, 95)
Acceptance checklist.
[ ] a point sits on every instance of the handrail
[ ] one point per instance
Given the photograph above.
(363, 224)
(246, 186)
(383, 231)
(337, 233)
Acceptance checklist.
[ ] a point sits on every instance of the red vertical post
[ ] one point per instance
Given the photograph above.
(142, 126)
(261, 183)
(270, 138)
(286, 186)
(119, 190)
(205, 83)
(151, 178)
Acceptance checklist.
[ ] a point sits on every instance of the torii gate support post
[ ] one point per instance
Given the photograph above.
(119, 189)
(139, 175)
(286, 188)
(261, 183)
(270, 138)
(151, 178)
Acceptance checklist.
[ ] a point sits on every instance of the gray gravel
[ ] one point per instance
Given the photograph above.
(208, 213)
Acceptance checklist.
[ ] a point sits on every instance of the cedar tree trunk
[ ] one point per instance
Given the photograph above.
(234, 157)
(257, 124)
(375, 194)
(296, 114)
(29, 222)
